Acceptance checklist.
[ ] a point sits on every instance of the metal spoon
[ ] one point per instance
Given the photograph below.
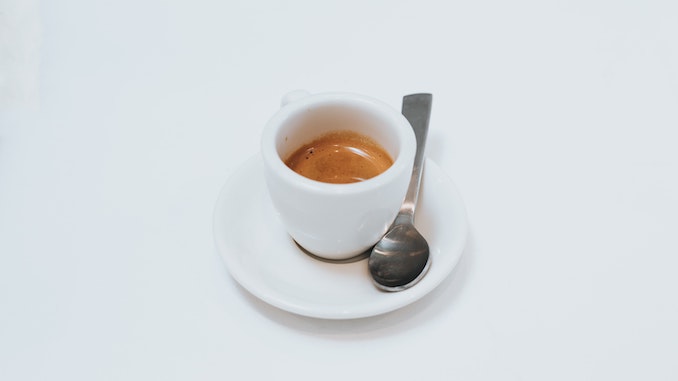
(401, 258)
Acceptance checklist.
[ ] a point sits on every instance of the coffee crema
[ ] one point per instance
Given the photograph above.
(340, 157)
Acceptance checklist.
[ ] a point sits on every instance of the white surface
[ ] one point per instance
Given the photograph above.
(556, 120)
(263, 258)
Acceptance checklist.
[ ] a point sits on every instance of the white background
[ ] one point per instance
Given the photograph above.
(121, 120)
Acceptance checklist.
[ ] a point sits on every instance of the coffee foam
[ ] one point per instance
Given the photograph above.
(340, 157)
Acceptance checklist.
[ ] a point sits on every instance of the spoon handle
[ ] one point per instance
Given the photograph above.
(417, 110)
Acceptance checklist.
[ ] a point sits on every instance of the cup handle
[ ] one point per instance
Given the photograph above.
(293, 96)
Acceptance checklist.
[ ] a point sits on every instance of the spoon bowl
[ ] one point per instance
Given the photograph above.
(400, 259)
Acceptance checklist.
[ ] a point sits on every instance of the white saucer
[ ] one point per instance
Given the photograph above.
(263, 258)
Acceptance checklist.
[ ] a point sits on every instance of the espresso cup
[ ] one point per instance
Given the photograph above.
(336, 221)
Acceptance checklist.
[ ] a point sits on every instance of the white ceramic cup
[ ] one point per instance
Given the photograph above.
(336, 221)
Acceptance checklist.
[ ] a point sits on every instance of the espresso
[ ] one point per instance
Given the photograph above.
(340, 157)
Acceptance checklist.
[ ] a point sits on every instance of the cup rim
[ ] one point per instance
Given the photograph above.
(400, 125)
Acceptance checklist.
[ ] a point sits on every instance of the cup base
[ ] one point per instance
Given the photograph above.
(359, 257)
